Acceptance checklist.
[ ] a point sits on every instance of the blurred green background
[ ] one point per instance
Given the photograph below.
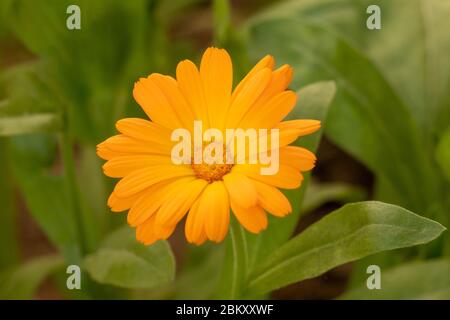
(387, 133)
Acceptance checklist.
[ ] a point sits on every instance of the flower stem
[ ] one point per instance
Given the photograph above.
(71, 187)
(238, 255)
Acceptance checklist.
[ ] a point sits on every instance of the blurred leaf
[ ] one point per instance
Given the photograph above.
(221, 12)
(23, 281)
(91, 70)
(349, 233)
(28, 106)
(10, 126)
(313, 103)
(318, 194)
(427, 280)
(8, 231)
(372, 120)
(443, 153)
(45, 193)
(123, 262)
(200, 264)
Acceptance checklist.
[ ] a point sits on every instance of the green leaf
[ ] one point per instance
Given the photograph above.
(95, 92)
(221, 12)
(235, 266)
(415, 280)
(371, 119)
(313, 103)
(29, 106)
(44, 192)
(30, 123)
(123, 262)
(23, 281)
(349, 233)
(318, 194)
(443, 153)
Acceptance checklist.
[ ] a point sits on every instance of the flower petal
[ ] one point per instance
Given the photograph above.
(190, 84)
(214, 200)
(194, 228)
(180, 200)
(270, 114)
(254, 219)
(241, 189)
(151, 98)
(272, 199)
(144, 178)
(149, 232)
(247, 96)
(286, 177)
(298, 158)
(119, 167)
(216, 73)
(153, 198)
(266, 62)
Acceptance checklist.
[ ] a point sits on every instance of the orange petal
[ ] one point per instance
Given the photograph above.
(119, 145)
(180, 200)
(169, 87)
(253, 219)
(145, 130)
(216, 73)
(247, 96)
(241, 189)
(272, 199)
(298, 158)
(303, 126)
(153, 198)
(266, 62)
(214, 201)
(150, 97)
(195, 225)
(275, 110)
(144, 178)
(149, 232)
(121, 204)
(286, 177)
(191, 87)
(121, 166)
(281, 78)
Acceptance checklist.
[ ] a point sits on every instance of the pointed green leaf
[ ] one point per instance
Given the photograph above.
(416, 280)
(22, 282)
(349, 233)
(124, 262)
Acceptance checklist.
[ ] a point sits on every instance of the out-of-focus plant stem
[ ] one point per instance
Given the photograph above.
(71, 187)
(239, 261)
(221, 12)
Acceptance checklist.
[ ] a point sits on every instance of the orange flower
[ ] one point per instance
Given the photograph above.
(159, 193)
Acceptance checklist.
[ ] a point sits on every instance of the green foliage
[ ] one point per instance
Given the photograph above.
(318, 194)
(123, 262)
(33, 156)
(415, 280)
(8, 230)
(390, 110)
(393, 103)
(22, 282)
(347, 234)
(443, 153)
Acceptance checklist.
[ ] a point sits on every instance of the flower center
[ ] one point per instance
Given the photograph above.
(211, 172)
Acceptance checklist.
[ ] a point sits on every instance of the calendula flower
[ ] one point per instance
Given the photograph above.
(159, 192)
